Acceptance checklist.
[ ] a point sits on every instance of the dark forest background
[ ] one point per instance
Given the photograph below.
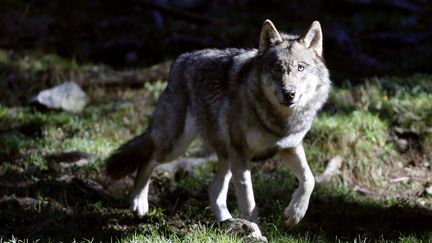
(362, 38)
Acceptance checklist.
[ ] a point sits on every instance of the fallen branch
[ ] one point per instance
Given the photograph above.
(182, 164)
(362, 191)
(62, 161)
(400, 179)
(331, 169)
(124, 78)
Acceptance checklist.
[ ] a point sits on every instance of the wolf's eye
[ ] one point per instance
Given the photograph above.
(277, 67)
(300, 68)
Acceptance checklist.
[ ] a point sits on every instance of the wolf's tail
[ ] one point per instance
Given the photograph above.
(130, 156)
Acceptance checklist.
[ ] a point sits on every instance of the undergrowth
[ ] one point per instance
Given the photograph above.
(381, 129)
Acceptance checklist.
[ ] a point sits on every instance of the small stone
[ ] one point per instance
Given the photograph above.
(402, 145)
(428, 190)
(421, 202)
(67, 96)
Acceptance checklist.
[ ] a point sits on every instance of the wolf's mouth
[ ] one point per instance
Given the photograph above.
(290, 103)
(287, 103)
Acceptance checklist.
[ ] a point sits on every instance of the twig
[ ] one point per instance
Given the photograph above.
(400, 179)
(331, 169)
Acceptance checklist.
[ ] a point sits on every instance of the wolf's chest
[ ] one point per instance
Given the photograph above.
(261, 143)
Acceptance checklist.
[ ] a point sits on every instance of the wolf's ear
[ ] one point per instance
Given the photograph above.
(313, 38)
(269, 36)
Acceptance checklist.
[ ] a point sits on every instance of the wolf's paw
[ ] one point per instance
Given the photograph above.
(294, 213)
(246, 230)
(139, 206)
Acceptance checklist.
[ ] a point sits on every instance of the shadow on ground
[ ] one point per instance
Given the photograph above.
(346, 219)
(68, 210)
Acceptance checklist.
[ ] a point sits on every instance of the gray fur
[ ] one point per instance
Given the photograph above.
(234, 100)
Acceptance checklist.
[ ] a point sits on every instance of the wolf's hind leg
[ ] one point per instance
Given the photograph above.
(166, 149)
(296, 160)
(139, 203)
(181, 142)
(219, 189)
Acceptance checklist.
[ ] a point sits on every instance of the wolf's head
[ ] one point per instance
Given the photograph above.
(291, 68)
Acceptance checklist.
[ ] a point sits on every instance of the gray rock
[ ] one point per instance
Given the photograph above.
(67, 96)
(246, 230)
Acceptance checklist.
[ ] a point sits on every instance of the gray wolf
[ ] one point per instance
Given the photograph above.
(246, 105)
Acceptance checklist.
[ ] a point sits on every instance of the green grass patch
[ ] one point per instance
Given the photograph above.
(36, 62)
(359, 137)
(360, 123)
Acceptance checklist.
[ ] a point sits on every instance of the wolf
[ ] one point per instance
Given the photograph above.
(247, 105)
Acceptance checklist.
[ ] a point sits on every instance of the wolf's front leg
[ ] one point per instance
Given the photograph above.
(243, 188)
(296, 160)
(219, 189)
(244, 191)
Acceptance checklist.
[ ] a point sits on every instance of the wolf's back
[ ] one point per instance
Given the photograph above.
(199, 79)
(130, 156)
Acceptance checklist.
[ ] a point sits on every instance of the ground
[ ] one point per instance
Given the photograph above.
(53, 188)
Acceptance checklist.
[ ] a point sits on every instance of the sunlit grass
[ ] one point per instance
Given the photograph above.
(359, 137)
(36, 62)
(358, 124)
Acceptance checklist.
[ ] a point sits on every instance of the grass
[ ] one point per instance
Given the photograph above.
(201, 234)
(364, 124)
(25, 73)
(359, 137)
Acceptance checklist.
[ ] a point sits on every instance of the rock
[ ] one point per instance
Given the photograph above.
(67, 96)
(248, 231)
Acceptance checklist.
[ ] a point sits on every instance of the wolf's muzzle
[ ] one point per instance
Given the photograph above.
(289, 93)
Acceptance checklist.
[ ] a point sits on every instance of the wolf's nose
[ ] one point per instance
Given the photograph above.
(289, 92)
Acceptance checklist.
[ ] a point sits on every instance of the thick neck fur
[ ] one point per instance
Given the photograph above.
(281, 120)
(277, 119)
(279, 123)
